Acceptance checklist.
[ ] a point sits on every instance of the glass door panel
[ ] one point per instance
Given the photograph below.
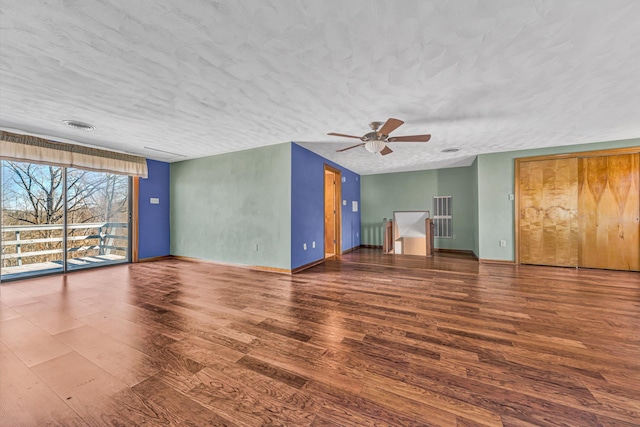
(97, 218)
(32, 219)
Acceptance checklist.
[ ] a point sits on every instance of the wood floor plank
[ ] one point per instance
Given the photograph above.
(122, 361)
(364, 340)
(233, 400)
(272, 372)
(32, 344)
(97, 396)
(50, 319)
(421, 411)
(345, 408)
(202, 350)
(7, 313)
(176, 407)
(26, 400)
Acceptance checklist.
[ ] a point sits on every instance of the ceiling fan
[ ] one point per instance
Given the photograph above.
(376, 141)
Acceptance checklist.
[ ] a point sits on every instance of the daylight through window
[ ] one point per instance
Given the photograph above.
(56, 219)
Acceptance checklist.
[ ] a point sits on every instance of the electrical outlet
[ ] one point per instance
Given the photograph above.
(503, 243)
(304, 246)
(511, 197)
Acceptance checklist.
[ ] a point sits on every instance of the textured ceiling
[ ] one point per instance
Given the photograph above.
(204, 77)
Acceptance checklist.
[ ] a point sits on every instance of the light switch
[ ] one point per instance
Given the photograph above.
(154, 201)
(344, 203)
(354, 206)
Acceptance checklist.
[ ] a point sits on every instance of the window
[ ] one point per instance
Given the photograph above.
(56, 219)
(442, 217)
(97, 218)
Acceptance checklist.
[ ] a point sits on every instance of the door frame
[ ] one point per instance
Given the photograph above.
(337, 174)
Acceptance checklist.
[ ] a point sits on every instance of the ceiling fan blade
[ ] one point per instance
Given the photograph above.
(410, 138)
(349, 148)
(342, 134)
(386, 150)
(390, 126)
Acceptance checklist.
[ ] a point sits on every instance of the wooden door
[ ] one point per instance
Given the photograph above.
(548, 205)
(609, 206)
(329, 213)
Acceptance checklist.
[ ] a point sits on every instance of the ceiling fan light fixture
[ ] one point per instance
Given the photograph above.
(374, 146)
(376, 141)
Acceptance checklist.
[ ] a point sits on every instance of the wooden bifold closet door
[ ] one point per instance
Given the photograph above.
(548, 212)
(580, 211)
(609, 204)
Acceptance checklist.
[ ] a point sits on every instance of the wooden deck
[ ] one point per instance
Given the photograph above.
(368, 340)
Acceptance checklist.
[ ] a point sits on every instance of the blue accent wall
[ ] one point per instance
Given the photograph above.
(307, 206)
(153, 220)
(350, 219)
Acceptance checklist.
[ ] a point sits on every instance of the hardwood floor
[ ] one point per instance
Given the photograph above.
(445, 341)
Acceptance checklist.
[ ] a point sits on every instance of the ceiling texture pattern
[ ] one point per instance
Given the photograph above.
(203, 77)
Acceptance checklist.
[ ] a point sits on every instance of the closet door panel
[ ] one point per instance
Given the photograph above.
(548, 202)
(609, 206)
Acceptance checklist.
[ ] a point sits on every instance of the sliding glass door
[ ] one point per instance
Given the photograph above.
(97, 218)
(58, 219)
(32, 219)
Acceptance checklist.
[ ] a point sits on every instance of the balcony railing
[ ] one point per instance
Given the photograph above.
(96, 242)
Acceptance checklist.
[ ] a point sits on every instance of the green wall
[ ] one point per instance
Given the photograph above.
(496, 181)
(474, 202)
(406, 191)
(223, 206)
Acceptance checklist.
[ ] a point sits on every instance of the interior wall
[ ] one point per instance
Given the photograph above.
(408, 191)
(153, 219)
(496, 181)
(307, 206)
(351, 219)
(474, 208)
(234, 208)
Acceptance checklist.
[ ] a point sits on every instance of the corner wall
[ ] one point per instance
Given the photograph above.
(410, 191)
(153, 219)
(307, 206)
(224, 206)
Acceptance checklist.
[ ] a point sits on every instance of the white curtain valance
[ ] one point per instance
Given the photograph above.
(27, 148)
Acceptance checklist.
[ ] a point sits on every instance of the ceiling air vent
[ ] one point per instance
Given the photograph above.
(78, 125)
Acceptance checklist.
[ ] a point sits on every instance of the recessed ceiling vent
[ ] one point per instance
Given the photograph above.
(79, 125)
(165, 152)
(450, 150)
